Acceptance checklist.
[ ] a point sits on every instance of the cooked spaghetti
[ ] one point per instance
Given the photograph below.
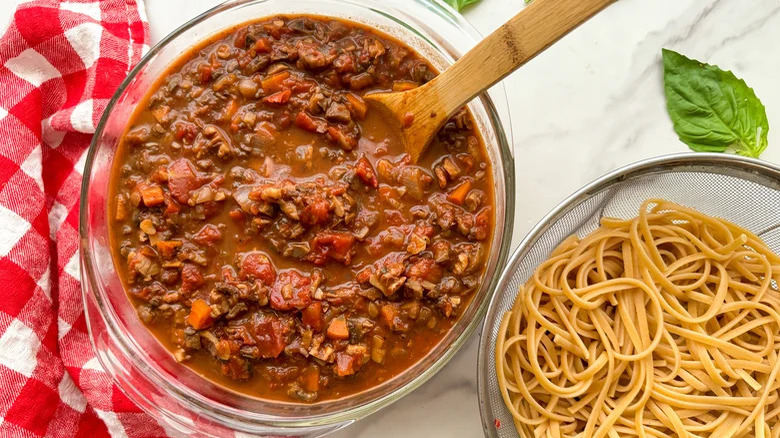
(663, 325)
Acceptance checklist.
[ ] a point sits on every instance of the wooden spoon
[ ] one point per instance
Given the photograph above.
(423, 110)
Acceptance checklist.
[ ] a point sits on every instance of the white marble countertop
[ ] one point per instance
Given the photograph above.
(591, 103)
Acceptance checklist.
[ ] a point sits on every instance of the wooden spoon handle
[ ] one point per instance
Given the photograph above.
(528, 33)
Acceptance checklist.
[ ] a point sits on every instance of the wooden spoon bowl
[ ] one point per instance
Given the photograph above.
(420, 112)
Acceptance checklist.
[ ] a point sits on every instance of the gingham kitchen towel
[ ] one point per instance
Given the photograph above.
(60, 62)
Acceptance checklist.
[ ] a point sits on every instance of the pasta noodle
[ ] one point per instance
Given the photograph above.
(663, 325)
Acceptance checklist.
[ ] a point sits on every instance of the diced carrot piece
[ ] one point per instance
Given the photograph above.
(167, 247)
(274, 83)
(389, 313)
(262, 46)
(152, 195)
(159, 175)
(279, 97)
(200, 315)
(121, 208)
(230, 109)
(458, 194)
(338, 328)
(312, 316)
(358, 105)
(404, 85)
(310, 378)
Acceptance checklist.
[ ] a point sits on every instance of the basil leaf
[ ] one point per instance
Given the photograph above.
(460, 4)
(713, 110)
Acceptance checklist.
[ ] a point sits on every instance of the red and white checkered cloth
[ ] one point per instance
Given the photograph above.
(60, 63)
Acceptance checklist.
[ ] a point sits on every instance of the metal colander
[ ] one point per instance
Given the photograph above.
(741, 190)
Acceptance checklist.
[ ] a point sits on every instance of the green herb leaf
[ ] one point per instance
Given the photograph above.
(713, 110)
(460, 4)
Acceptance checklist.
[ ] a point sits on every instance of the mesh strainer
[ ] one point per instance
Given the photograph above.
(740, 190)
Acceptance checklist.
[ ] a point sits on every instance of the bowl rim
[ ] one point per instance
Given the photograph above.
(691, 161)
(501, 129)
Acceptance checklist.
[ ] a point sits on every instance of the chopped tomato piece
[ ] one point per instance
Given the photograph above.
(185, 131)
(171, 206)
(240, 39)
(458, 194)
(228, 273)
(426, 269)
(191, 278)
(291, 291)
(364, 275)
(333, 245)
(181, 180)
(200, 315)
(316, 211)
(237, 368)
(257, 265)
(365, 171)
(270, 335)
(407, 120)
(337, 329)
(306, 122)
(236, 214)
(279, 97)
(482, 224)
(204, 73)
(312, 316)
(346, 365)
(341, 139)
(208, 235)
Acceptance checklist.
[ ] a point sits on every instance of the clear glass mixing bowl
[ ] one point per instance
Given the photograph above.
(184, 402)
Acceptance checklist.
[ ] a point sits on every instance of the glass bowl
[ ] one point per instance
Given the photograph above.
(178, 398)
(741, 190)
